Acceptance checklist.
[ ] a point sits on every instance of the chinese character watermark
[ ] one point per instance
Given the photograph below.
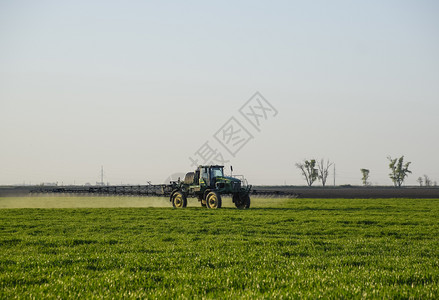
(257, 110)
(233, 135)
(207, 154)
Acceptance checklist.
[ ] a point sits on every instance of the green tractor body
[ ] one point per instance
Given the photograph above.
(208, 184)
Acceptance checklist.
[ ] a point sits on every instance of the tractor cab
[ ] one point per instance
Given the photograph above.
(208, 175)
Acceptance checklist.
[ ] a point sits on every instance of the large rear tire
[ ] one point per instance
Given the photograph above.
(242, 201)
(213, 200)
(179, 200)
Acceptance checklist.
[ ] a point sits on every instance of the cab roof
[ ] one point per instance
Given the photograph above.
(211, 166)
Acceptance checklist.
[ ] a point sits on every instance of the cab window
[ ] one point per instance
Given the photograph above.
(204, 174)
(217, 172)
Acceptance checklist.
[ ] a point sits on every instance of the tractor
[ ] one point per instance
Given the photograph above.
(208, 184)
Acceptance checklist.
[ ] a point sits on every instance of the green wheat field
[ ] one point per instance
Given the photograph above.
(280, 248)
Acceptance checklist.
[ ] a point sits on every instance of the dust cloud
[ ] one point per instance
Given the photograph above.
(94, 202)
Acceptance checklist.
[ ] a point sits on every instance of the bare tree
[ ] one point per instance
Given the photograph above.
(427, 180)
(365, 177)
(323, 170)
(420, 180)
(308, 170)
(399, 170)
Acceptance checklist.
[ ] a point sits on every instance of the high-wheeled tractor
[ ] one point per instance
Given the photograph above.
(208, 184)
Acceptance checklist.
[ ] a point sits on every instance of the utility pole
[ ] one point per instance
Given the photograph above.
(334, 175)
(102, 175)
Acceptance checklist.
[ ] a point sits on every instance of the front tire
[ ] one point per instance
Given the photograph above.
(213, 200)
(179, 200)
(242, 201)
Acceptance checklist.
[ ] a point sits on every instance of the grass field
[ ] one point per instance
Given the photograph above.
(281, 248)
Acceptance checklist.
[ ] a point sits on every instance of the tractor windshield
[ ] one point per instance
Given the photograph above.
(217, 172)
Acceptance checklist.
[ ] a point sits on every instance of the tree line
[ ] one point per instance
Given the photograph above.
(313, 170)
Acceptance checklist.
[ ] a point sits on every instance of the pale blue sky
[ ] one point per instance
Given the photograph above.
(140, 86)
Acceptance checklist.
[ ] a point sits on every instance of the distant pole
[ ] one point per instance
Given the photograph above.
(334, 174)
(102, 175)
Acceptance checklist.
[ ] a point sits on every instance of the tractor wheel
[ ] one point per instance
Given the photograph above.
(242, 201)
(213, 200)
(179, 200)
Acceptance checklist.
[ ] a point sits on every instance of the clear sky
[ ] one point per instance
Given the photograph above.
(140, 86)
